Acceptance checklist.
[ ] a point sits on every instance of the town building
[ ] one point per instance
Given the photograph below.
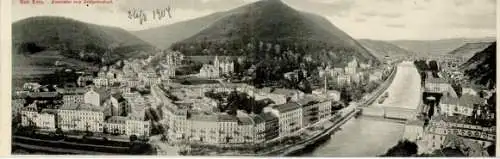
(441, 127)
(217, 69)
(289, 117)
(73, 98)
(375, 76)
(101, 82)
(438, 85)
(17, 106)
(92, 97)
(464, 105)
(83, 117)
(259, 128)
(271, 126)
(314, 109)
(43, 120)
(136, 125)
(343, 80)
(351, 67)
(83, 80)
(203, 128)
(290, 94)
(228, 127)
(115, 125)
(413, 130)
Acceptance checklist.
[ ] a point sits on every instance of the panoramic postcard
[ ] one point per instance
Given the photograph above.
(307, 78)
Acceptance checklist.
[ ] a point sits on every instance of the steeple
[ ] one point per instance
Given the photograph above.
(325, 86)
(216, 61)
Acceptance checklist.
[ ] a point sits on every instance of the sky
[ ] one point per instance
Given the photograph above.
(361, 19)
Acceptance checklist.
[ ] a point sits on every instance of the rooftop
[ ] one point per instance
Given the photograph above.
(43, 94)
(431, 79)
(117, 119)
(245, 120)
(284, 91)
(226, 118)
(308, 100)
(202, 117)
(82, 106)
(469, 100)
(257, 118)
(268, 116)
(287, 107)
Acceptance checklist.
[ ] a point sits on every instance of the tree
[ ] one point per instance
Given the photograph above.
(345, 96)
(133, 138)
(402, 149)
(491, 150)
(59, 132)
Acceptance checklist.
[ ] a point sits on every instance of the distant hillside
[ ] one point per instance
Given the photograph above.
(267, 29)
(437, 47)
(73, 39)
(162, 37)
(481, 68)
(382, 49)
(468, 50)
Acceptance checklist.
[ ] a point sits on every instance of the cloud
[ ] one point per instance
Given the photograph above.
(385, 15)
(461, 2)
(391, 15)
(339, 8)
(360, 20)
(370, 14)
(396, 25)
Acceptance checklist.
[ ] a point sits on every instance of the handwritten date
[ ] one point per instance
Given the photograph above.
(158, 14)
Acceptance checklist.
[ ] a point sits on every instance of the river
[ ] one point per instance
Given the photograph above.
(360, 137)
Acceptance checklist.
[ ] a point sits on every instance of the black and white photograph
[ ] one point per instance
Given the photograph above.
(253, 78)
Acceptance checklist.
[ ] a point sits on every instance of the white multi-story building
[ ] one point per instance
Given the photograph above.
(101, 82)
(44, 120)
(217, 69)
(289, 116)
(343, 80)
(83, 117)
(314, 109)
(137, 126)
(116, 125)
(92, 97)
(73, 98)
